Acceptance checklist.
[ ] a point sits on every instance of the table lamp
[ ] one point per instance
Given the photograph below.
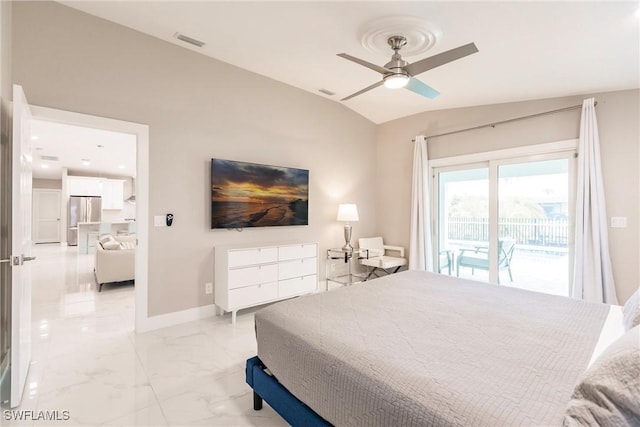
(348, 213)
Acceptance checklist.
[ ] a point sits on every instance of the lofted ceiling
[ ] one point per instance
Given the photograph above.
(527, 50)
(83, 151)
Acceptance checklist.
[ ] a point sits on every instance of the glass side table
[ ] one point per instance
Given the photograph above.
(343, 266)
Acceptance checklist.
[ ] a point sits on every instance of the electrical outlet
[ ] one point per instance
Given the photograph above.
(208, 288)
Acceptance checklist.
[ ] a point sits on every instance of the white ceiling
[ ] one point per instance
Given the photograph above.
(71, 144)
(528, 50)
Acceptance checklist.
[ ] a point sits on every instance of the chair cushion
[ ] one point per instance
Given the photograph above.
(385, 262)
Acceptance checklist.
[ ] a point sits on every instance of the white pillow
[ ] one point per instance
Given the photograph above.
(112, 246)
(106, 238)
(126, 244)
(607, 394)
(631, 311)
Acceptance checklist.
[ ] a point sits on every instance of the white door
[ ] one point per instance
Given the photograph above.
(20, 246)
(46, 216)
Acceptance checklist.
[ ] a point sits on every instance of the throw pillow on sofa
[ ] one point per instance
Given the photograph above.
(127, 244)
(106, 238)
(111, 246)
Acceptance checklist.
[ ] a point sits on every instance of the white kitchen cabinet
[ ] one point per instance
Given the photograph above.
(112, 194)
(84, 186)
(250, 275)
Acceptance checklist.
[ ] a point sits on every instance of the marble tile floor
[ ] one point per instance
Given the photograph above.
(88, 360)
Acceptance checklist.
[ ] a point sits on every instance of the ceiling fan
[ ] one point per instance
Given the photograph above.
(399, 73)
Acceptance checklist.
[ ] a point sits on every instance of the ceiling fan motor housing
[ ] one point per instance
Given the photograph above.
(397, 64)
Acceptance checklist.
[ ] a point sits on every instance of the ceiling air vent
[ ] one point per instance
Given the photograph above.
(50, 158)
(188, 39)
(326, 92)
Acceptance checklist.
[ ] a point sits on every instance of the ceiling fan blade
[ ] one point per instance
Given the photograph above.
(364, 63)
(368, 88)
(420, 88)
(440, 59)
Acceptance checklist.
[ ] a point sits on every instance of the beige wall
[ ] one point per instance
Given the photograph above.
(618, 120)
(197, 108)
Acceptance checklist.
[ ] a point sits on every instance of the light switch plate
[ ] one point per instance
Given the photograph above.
(618, 222)
(159, 221)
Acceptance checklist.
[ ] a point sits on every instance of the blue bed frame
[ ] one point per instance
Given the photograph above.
(266, 387)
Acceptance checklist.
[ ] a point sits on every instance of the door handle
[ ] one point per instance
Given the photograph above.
(28, 258)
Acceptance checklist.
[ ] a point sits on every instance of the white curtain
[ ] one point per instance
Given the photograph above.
(420, 245)
(593, 275)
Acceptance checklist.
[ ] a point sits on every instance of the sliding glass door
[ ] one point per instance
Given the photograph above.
(507, 221)
(463, 213)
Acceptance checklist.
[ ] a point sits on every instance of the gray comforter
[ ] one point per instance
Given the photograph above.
(420, 349)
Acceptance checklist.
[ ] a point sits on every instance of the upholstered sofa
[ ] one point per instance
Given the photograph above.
(115, 259)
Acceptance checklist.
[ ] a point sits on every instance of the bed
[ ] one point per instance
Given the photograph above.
(418, 348)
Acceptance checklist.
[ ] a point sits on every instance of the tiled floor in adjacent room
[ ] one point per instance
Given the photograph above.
(88, 360)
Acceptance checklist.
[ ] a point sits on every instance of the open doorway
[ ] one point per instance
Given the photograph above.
(91, 174)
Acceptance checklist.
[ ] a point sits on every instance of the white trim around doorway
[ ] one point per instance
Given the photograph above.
(141, 131)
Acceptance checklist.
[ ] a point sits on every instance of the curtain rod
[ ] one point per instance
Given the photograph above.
(560, 110)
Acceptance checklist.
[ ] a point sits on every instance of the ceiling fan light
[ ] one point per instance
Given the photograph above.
(396, 81)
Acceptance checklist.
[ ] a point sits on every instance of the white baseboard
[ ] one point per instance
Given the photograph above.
(176, 318)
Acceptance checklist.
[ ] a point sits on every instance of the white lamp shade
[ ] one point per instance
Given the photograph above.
(348, 212)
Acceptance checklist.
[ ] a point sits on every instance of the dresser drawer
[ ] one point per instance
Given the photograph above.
(297, 286)
(252, 295)
(290, 252)
(297, 268)
(243, 257)
(247, 276)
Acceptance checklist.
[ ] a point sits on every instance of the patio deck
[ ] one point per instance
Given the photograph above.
(541, 271)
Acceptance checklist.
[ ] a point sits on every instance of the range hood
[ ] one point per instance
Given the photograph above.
(132, 198)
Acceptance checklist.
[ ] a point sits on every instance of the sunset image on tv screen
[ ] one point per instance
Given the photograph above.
(254, 195)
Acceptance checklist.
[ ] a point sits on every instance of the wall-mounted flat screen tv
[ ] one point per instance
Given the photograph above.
(255, 195)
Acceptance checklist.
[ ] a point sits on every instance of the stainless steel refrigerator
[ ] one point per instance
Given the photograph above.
(82, 209)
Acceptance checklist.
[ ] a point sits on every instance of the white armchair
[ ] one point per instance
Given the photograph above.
(378, 258)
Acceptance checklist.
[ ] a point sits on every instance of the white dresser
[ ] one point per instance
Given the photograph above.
(250, 275)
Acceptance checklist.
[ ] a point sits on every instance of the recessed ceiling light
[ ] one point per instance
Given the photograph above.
(44, 166)
(120, 166)
(34, 137)
(86, 162)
